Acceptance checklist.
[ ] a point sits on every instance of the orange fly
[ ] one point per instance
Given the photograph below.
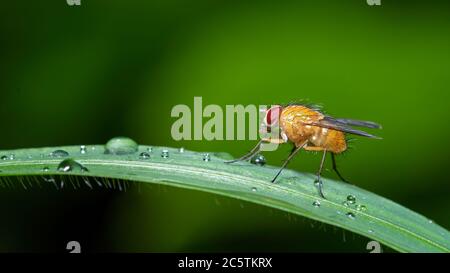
(311, 130)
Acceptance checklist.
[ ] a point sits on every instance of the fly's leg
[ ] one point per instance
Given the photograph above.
(291, 155)
(333, 159)
(319, 172)
(252, 152)
(256, 149)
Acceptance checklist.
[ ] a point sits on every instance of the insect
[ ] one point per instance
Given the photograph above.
(308, 128)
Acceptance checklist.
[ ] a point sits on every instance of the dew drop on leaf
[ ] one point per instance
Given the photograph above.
(254, 189)
(258, 159)
(59, 153)
(144, 155)
(206, 157)
(68, 165)
(316, 203)
(121, 146)
(350, 215)
(361, 207)
(291, 180)
(165, 153)
(83, 149)
(181, 150)
(4, 157)
(351, 199)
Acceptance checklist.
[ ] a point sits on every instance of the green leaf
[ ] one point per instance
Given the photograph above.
(370, 215)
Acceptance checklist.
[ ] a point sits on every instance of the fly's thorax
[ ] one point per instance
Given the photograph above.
(295, 120)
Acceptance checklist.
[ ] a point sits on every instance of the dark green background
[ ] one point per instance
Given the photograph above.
(81, 75)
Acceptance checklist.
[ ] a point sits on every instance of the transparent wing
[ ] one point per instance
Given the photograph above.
(335, 124)
(359, 123)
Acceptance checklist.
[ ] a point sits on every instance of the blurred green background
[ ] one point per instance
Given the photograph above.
(83, 74)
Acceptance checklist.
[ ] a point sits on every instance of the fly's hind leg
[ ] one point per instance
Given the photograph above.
(319, 172)
(333, 159)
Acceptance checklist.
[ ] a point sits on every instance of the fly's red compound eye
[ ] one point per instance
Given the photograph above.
(272, 115)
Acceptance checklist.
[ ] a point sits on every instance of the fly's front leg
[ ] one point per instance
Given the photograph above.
(256, 149)
(294, 151)
(252, 152)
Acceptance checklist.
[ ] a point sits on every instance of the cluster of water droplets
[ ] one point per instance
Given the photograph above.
(351, 202)
(115, 146)
(8, 157)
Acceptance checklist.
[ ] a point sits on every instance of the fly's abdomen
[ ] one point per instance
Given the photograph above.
(334, 141)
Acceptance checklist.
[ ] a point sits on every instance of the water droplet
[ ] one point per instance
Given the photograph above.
(316, 203)
(59, 153)
(144, 155)
(259, 160)
(360, 207)
(45, 169)
(68, 165)
(316, 183)
(4, 157)
(121, 146)
(370, 231)
(12, 156)
(206, 157)
(350, 215)
(351, 199)
(181, 150)
(430, 222)
(165, 153)
(150, 149)
(83, 149)
(254, 189)
(345, 203)
(291, 180)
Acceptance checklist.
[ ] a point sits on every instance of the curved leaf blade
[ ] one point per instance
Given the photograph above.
(371, 215)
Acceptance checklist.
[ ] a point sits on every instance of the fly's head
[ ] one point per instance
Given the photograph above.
(271, 123)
